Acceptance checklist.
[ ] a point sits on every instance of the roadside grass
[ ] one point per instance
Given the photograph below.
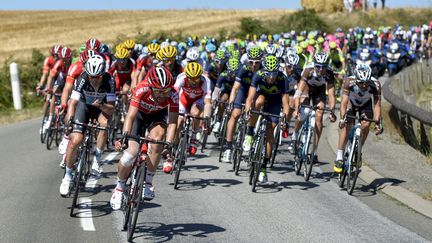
(428, 196)
(12, 116)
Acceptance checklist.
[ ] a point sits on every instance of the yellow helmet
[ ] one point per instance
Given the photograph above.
(193, 70)
(320, 40)
(129, 44)
(298, 49)
(120, 46)
(303, 44)
(159, 55)
(169, 52)
(311, 42)
(121, 53)
(153, 48)
(332, 45)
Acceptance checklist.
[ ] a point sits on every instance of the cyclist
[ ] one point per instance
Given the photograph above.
(93, 97)
(215, 67)
(153, 108)
(362, 94)
(168, 55)
(56, 79)
(192, 55)
(238, 96)
(269, 90)
(223, 87)
(48, 65)
(95, 45)
(316, 78)
(144, 62)
(194, 97)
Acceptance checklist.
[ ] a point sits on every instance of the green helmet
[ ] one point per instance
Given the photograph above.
(235, 54)
(220, 54)
(271, 63)
(242, 44)
(233, 64)
(254, 53)
(82, 47)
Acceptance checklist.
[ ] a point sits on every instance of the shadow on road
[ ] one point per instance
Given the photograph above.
(159, 232)
(273, 187)
(200, 168)
(374, 186)
(191, 184)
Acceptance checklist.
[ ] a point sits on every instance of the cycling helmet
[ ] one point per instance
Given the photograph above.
(242, 44)
(121, 53)
(292, 59)
(159, 77)
(311, 42)
(363, 73)
(65, 53)
(56, 49)
(174, 43)
(234, 54)
(220, 55)
(169, 52)
(320, 58)
(193, 54)
(153, 48)
(120, 46)
(303, 44)
(85, 55)
(164, 44)
(193, 70)
(320, 40)
(138, 48)
(159, 55)
(210, 47)
(280, 51)
(394, 47)
(332, 45)
(254, 53)
(271, 63)
(300, 38)
(93, 44)
(129, 44)
(270, 50)
(233, 64)
(104, 49)
(82, 48)
(298, 49)
(95, 65)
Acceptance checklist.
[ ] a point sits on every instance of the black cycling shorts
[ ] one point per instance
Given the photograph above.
(83, 113)
(364, 110)
(144, 122)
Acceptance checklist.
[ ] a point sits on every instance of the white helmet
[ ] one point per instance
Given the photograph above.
(394, 47)
(164, 44)
(95, 65)
(363, 73)
(280, 51)
(174, 43)
(292, 59)
(193, 54)
(291, 50)
(270, 50)
(320, 58)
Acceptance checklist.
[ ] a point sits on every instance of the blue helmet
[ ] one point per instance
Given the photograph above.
(210, 47)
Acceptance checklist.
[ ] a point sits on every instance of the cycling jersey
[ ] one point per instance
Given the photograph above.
(122, 74)
(278, 88)
(143, 61)
(244, 77)
(213, 74)
(317, 84)
(358, 96)
(59, 66)
(74, 72)
(48, 63)
(336, 57)
(143, 99)
(85, 92)
(190, 95)
(225, 83)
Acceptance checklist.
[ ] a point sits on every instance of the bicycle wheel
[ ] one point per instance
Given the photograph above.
(222, 137)
(78, 177)
(259, 156)
(298, 152)
(309, 159)
(49, 137)
(126, 205)
(44, 118)
(275, 145)
(354, 170)
(180, 160)
(58, 134)
(136, 202)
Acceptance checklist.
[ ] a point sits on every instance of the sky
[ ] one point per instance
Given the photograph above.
(175, 4)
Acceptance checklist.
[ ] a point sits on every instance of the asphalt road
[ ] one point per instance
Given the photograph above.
(211, 205)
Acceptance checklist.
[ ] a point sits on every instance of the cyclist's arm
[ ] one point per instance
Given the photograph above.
(377, 102)
(285, 105)
(51, 77)
(65, 94)
(250, 98)
(172, 126)
(130, 118)
(43, 77)
(331, 96)
(345, 99)
(72, 108)
(234, 92)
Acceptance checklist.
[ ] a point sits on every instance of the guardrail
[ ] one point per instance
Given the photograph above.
(414, 122)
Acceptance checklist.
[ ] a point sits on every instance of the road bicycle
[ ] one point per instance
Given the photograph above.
(55, 130)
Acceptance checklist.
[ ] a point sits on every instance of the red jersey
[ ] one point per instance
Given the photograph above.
(74, 72)
(122, 74)
(48, 63)
(143, 62)
(59, 66)
(144, 101)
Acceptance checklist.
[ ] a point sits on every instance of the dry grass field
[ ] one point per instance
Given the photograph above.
(21, 31)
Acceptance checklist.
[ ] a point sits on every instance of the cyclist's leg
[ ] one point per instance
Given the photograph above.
(367, 111)
(196, 110)
(125, 90)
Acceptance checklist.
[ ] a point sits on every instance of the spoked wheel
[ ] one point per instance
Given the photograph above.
(237, 160)
(135, 204)
(127, 198)
(77, 180)
(310, 156)
(298, 150)
(49, 137)
(354, 170)
(275, 146)
(258, 157)
(58, 135)
(222, 138)
(179, 161)
(44, 118)
(342, 176)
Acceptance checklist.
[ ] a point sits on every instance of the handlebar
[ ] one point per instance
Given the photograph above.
(265, 113)
(186, 115)
(362, 118)
(93, 126)
(147, 140)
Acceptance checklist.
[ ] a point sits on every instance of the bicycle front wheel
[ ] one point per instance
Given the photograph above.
(259, 156)
(354, 170)
(180, 160)
(77, 180)
(136, 202)
(310, 155)
(275, 145)
(49, 137)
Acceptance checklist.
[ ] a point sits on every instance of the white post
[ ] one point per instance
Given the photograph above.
(16, 92)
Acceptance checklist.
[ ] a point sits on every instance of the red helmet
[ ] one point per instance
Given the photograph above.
(159, 77)
(86, 54)
(93, 44)
(65, 53)
(55, 50)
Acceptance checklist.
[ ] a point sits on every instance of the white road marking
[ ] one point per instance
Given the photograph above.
(85, 214)
(84, 211)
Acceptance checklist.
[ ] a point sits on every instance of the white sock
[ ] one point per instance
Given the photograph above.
(339, 154)
(68, 172)
(121, 184)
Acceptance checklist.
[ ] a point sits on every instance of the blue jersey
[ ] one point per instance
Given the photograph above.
(278, 88)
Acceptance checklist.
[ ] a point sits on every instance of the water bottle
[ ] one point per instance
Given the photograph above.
(303, 137)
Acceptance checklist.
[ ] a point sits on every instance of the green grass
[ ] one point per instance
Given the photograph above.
(12, 116)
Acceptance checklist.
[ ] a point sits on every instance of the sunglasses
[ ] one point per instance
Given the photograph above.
(320, 67)
(95, 77)
(172, 59)
(254, 62)
(161, 92)
(217, 61)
